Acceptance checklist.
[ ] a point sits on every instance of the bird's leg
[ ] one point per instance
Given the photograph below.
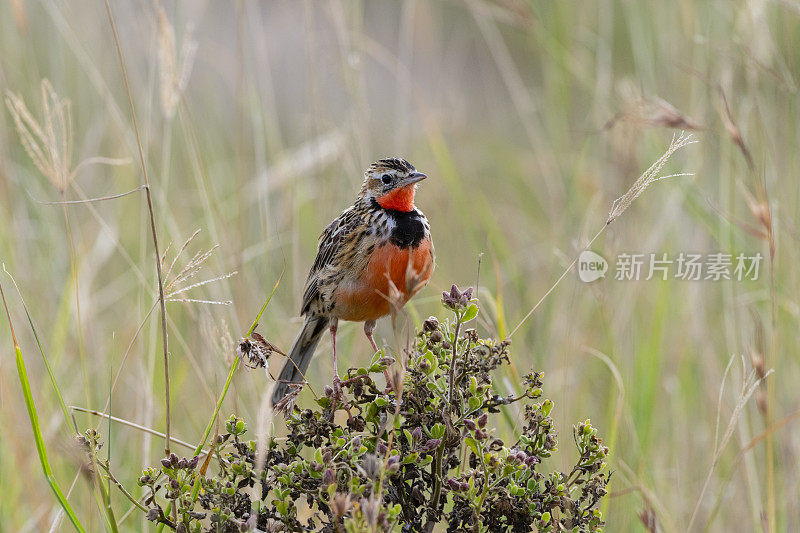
(369, 327)
(333, 327)
(338, 395)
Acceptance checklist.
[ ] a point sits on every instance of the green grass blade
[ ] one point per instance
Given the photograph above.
(232, 370)
(68, 419)
(37, 430)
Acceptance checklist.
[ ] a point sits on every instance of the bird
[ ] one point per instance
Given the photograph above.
(371, 260)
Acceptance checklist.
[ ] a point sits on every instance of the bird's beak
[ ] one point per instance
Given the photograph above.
(413, 178)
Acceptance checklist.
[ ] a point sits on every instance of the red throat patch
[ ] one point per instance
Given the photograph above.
(401, 199)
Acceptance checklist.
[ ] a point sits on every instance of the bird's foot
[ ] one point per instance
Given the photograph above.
(338, 396)
(338, 393)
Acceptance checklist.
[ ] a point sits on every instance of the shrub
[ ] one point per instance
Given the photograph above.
(420, 451)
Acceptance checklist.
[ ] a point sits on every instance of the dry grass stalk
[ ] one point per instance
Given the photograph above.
(750, 382)
(145, 179)
(733, 130)
(49, 143)
(173, 73)
(619, 206)
(649, 177)
(653, 112)
(173, 286)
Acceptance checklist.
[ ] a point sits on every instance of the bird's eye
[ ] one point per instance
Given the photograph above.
(386, 179)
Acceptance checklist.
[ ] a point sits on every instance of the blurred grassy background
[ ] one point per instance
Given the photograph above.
(529, 117)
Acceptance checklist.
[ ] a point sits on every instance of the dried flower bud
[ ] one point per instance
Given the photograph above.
(470, 424)
(393, 464)
(166, 463)
(482, 420)
(430, 324)
(431, 445)
(328, 478)
(436, 337)
(456, 299)
(467, 293)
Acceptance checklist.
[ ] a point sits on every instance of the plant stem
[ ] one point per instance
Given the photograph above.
(152, 228)
(104, 497)
(451, 384)
(433, 512)
(119, 485)
(130, 424)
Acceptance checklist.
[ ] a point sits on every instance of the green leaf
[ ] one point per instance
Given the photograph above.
(281, 506)
(474, 403)
(470, 313)
(410, 458)
(323, 402)
(472, 443)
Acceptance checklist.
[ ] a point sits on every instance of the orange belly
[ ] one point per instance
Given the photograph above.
(391, 273)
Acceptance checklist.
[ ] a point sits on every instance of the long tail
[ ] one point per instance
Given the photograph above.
(300, 355)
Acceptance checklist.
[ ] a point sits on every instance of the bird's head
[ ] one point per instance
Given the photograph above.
(392, 183)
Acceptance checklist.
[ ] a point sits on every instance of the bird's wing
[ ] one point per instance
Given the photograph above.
(335, 240)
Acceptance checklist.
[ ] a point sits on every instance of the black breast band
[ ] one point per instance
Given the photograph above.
(408, 228)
